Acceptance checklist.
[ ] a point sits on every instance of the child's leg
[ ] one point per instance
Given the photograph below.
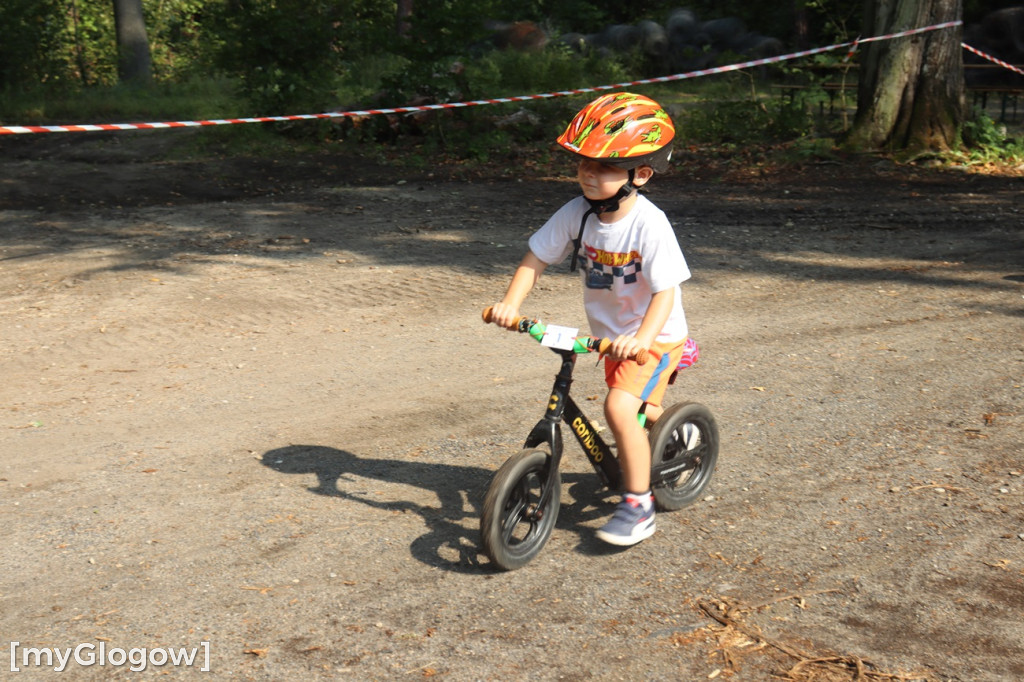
(620, 410)
(653, 413)
(629, 386)
(633, 520)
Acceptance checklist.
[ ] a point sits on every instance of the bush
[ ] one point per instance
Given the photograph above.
(289, 55)
(198, 99)
(31, 49)
(502, 73)
(483, 132)
(988, 142)
(744, 122)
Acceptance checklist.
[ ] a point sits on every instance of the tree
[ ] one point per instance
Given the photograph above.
(403, 13)
(911, 90)
(134, 63)
(30, 48)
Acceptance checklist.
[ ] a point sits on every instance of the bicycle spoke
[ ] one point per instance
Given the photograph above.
(685, 471)
(512, 519)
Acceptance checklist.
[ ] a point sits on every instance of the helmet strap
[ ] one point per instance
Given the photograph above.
(609, 205)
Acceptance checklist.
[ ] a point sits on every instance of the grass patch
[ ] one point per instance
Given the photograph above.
(199, 99)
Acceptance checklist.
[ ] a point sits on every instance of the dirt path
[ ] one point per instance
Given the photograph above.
(252, 404)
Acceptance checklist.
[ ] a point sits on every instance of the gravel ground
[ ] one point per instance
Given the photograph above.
(251, 404)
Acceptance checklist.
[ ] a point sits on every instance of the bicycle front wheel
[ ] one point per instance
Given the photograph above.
(513, 528)
(684, 451)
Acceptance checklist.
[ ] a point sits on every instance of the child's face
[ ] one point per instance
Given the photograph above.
(600, 180)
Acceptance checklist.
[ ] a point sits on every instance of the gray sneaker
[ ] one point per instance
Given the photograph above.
(630, 524)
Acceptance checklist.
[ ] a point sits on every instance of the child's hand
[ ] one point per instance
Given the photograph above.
(624, 348)
(504, 315)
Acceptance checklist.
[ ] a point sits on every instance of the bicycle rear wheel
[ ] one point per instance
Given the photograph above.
(684, 451)
(512, 527)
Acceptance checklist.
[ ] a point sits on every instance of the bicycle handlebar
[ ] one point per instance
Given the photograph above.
(488, 314)
(583, 344)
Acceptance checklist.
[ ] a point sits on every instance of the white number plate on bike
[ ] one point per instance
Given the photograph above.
(561, 338)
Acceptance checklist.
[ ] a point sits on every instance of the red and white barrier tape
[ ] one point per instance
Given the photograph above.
(18, 130)
(992, 59)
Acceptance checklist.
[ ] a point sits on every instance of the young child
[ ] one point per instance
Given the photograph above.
(632, 267)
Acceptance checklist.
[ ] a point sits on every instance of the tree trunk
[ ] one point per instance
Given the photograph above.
(910, 97)
(134, 63)
(404, 11)
(801, 25)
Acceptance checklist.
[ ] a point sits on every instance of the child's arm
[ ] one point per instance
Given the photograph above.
(657, 315)
(527, 274)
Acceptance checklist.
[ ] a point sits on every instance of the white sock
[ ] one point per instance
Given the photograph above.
(646, 500)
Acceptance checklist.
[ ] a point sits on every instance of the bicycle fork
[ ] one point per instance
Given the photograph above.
(562, 408)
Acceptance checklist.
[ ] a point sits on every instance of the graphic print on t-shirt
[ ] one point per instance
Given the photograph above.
(603, 267)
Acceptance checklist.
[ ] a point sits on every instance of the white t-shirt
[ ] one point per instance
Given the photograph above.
(623, 264)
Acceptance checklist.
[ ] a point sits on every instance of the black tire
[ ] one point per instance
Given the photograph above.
(510, 530)
(669, 444)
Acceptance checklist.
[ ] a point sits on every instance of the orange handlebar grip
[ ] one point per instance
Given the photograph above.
(640, 358)
(488, 316)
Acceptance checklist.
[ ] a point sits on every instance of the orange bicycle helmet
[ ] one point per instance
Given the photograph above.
(622, 129)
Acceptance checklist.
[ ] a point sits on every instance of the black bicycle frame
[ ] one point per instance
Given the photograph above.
(562, 408)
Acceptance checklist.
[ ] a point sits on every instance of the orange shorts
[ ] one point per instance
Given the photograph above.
(649, 380)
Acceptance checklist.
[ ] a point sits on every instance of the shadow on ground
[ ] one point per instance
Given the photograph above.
(459, 489)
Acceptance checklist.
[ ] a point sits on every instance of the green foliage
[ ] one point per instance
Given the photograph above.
(582, 16)
(486, 132)
(222, 58)
(420, 81)
(440, 29)
(92, 49)
(809, 148)
(364, 76)
(988, 142)
(180, 41)
(282, 51)
(296, 55)
(742, 122)
(32, 32)
(499, 73)
(827, 67)
(521, 73)
(290, 55)
(198, 99)
(836, 20)
(71, 43)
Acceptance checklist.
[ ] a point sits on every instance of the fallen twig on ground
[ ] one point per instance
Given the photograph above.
(809, 667)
